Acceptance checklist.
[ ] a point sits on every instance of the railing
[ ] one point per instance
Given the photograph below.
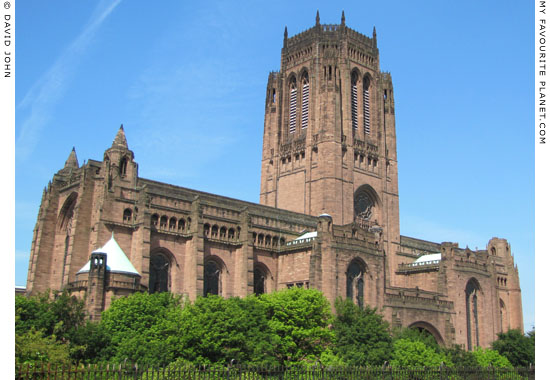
(418, 267)
(135, 372)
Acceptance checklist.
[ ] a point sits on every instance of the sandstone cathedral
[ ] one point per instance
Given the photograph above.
(328, 216)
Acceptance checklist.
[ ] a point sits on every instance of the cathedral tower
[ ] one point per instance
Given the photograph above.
(329, 134)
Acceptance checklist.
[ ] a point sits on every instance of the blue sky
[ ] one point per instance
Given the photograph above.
(187, 80)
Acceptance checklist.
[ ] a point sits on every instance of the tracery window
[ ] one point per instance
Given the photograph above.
(355, 282)
(363, 206)
(212, 278)
(159, 273)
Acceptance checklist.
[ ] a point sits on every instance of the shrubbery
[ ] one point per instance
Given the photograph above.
(287, 327)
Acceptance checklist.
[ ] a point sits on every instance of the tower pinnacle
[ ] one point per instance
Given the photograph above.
(72, 161)
(343, 18)
(317, 18)
(120, 139)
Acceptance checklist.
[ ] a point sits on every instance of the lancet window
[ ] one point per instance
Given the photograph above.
(472, 291)
(292, 106)
(354, 121)
(366, 105)
(305, 100)
(355, 282)
(159, 269)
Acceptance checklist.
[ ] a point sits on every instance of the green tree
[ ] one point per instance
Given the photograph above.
(487, 356)
(410, 353)
(53, 313)
(217, 330)
(460, 357)
(89, 343)
(299, 322)
(33, 348)
(519, 349)
(416, 334)
(361, 334)
(140, 327)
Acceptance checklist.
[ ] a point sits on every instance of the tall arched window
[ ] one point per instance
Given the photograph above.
(65, 226)
(472, 319)
(305, 100)
(355, 282)
(212, 278)
(292, 106)
(123, 166)
(366, 105)
(259, 281)
(503, 317)
(354, 78)
(159, 273)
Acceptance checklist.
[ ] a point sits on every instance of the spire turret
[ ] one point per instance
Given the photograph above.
(286, 37)
(374, 35)
(317, 18)
(72, 161)
(343, 19)
(120, 139)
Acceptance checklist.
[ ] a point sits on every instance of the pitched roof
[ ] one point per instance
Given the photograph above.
(117, 261)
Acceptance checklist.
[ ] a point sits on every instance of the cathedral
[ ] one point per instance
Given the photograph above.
(328, 216)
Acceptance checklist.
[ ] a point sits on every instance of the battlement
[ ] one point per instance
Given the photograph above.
(329, 32)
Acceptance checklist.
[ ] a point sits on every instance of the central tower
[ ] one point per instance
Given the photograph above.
(329, 134)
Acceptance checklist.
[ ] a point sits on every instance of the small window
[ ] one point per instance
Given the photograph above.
(123, 166)
(172, 225)
(154, 220)
(181, 225)
(163, 222)
(127, 216)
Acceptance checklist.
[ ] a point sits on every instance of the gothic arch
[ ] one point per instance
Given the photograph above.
(160, 265)
(262, 278)
(429, 328)
(123, 166)
(66, 212)
(472, 293)
(366, 204)
(366, 85)
(504, 323)
(292, 103)
(355, 281)
(214, 273)
(304, 100)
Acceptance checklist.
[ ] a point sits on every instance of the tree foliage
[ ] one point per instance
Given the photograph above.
(299, 322)
(140, 327)
(361, 335)
(519, 349)
(288, 327)
(486, 357)
(411, 353)
(218, 330)
(56, 314)
(32, 347)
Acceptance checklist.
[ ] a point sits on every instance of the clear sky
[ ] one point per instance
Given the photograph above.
(188, 81)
